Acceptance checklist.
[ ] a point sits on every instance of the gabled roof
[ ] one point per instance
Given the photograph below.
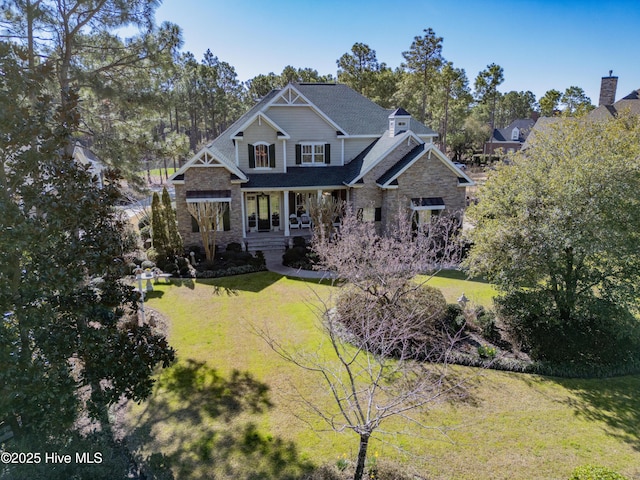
(378, 151)
(524, 125)
(356, 114)
(351, 113)
(543, 123)
(208, 156)
(630, 104)
(260, 116)
(390, 176)
(224, 142)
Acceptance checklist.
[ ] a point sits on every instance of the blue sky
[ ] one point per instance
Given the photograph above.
(540, 44)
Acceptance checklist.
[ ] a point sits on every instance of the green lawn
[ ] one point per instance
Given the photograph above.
(228, 409)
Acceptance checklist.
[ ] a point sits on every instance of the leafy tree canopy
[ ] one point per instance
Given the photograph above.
(563, 217)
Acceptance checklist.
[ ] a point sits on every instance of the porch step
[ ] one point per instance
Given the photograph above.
(271, 241)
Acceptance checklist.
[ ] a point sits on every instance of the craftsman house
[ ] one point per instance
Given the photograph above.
(308, 140)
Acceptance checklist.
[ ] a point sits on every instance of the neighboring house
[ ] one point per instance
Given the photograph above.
(84, 156)
(607, 106)
(312, 139)
(511, 138)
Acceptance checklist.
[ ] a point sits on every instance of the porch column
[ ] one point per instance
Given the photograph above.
(242, 199)
(285, 213)
(319, 194)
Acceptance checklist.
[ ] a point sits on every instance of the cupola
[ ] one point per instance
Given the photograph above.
(399, 122)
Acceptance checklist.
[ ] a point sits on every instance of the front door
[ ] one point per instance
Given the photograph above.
(264, 213)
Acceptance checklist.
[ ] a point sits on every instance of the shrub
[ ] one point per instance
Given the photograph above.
(593, 472)
(259, 259)
(599, 333)
(486, 351)
(171, 268)
(229, 255)
(486, 320)
(410, 326)
(152, 255)
(454, 319)
(234, 247)
(299, 242)
(295, 257)
(228, 271)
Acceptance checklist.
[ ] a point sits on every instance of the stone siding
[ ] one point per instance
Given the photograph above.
(430, 177)
(209, 178)
(370, 195)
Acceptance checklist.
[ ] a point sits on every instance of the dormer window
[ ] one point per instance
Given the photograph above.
(262, 155)
(515, 134)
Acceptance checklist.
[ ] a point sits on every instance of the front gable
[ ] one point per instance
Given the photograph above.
(290, 96)
(259, 121)
(421, 158)
(207, 158)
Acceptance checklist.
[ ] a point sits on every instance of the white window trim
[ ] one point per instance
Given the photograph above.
(255, 156)
(313, 154)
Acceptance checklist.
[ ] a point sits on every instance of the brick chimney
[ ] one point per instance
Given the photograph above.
(608, 89)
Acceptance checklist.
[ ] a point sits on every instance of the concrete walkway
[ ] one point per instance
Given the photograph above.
(274, 264)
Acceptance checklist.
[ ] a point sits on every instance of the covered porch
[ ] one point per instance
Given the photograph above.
(285, 212)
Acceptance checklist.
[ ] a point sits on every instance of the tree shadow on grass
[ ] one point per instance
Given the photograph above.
(613, 402)
(208, 426)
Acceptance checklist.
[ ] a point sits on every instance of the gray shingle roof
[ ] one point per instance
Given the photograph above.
(524, 125)
(321, 176)
(299, 177)
(400, 164)
(354, 113)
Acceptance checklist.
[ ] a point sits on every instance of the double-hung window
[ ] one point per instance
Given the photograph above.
(312, 153)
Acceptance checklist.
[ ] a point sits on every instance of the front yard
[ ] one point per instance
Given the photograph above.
(228, 409)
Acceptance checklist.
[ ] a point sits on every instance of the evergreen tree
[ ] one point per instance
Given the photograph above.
(69, 317)
(174, 240)
(549, 103)
(423, 60)
(159, 231)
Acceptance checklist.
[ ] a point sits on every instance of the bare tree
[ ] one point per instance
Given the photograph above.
(382, 364)
(325, 213)
(209, 216)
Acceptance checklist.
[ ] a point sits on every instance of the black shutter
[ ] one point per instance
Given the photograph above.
(378, 214)
(272, 155)
(195, 228)
(298, 154)
(226, 218)
(327, 153)
(252, 156)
